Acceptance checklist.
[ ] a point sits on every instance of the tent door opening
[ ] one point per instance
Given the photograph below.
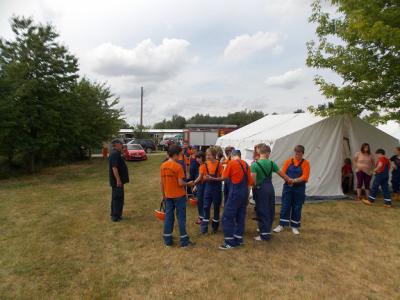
(347, 180)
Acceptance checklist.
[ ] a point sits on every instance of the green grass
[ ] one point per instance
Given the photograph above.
(57, 242)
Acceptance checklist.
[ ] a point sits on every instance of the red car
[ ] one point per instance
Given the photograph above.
(134, 152)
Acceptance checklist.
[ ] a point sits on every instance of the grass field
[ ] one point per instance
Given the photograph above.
(57, 242)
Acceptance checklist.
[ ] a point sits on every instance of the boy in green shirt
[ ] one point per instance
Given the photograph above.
(263, 191)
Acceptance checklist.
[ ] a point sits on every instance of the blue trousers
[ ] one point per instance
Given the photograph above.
(396, 180)
(227, 182)
(212, 196)
(264, 196)
(234, 216)
(292, 203)
(380, 180)
(178, 205)
(200, 200)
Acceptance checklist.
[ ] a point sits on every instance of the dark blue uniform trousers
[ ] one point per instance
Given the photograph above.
(264, 196)
(212, 196)
(381, 180)
(234, 216)
(117, 202)
(200, 200)
(293, 198)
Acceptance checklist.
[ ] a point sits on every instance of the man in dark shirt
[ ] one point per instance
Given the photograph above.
(118, 172)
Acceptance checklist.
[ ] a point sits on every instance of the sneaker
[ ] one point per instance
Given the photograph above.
(188, 245)
(226, 246)
(278, 228)
(295, 231)
(367, 202)
(258, 238)
(387, 205)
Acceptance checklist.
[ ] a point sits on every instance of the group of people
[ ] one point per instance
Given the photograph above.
(203, 174)
(215, 176)
(367, 165)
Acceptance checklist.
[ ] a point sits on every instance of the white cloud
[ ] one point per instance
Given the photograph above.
(245, 45)
(287, 80)
(146, 60)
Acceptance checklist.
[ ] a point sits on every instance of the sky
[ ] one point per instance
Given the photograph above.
(210, 56)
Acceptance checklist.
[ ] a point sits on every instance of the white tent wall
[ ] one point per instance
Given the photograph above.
(323, 144)
(327, 141)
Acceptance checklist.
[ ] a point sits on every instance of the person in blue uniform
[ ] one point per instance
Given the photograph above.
(234, 216)
(225, 162)
(395, 159)
(294, 191)
(211, 176)
(199, 187)
(263, 191)
(382, 169)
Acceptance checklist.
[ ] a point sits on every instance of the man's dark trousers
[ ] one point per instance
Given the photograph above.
(117, 202)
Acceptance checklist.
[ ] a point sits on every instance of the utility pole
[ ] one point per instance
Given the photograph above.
(141, 108)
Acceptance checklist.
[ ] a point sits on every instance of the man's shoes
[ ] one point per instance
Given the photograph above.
(115, 219)
(259, 239)
(295, 231)
(279, 228)
(226, 246)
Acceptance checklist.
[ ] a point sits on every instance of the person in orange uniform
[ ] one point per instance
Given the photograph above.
(211, 174)
(294, 191)
(173, 192)
(184, 161)
(234, 216)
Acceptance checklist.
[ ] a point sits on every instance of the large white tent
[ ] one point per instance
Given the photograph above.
(328, 141)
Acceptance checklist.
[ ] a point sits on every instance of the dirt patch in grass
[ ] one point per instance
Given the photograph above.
(56, 241)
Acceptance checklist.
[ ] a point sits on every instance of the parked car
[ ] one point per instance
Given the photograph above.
(134, 152)
(148, 145)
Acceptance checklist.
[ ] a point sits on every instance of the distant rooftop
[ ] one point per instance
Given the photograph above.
(210, 126)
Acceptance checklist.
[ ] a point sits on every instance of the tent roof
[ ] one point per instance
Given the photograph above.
(392, 128)
(273, 127)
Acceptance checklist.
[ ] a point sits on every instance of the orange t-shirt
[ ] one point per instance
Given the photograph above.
(170, 172)
(212, 166)
(234, 172)
(305, 166)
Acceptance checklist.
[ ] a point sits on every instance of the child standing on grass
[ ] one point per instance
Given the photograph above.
(211, 175)
(395, 159)
(173, 192)
(381, 179)
(347, 176)
(199, 187)
(234, 216)
(263, 191)
(294, 191)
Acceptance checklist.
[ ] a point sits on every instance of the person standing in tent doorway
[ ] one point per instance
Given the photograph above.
(395, 159)
(294, 191)
(263, 191)
(234, 216)
(364, 163)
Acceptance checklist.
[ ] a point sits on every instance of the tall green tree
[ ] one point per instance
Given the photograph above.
(361, 43)
(46, 113)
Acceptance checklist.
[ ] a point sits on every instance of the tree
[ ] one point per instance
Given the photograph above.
(45, 112)
(176, 122)
(299, 111)
(366, 56)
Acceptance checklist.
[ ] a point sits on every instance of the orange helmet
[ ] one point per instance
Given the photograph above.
(193, 201)
(160, 213)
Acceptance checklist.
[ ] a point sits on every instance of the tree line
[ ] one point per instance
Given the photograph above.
(48, 112)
